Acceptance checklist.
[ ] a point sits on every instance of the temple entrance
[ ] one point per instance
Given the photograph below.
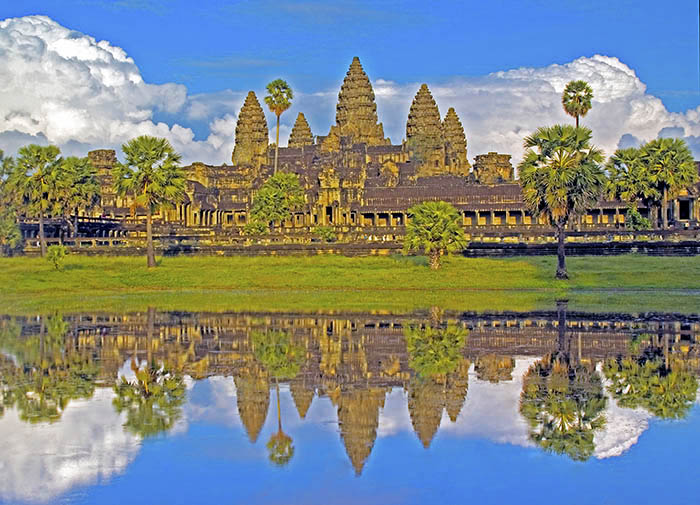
(684, 210)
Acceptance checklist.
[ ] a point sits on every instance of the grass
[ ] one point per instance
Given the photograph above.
(629, 283)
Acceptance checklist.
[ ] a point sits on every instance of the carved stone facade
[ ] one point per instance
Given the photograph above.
(357, 182)
(493, 168)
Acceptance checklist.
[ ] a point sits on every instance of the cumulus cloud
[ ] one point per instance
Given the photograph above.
(64, 87)
(40, 462)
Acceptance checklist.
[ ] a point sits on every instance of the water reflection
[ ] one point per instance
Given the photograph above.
(580, 385)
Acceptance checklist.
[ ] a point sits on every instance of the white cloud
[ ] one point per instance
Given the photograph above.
(40, 462)
(64, 87)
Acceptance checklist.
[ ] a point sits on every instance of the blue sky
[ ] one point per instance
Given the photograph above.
(219, 49)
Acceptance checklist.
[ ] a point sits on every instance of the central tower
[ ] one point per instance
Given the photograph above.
(356, 112)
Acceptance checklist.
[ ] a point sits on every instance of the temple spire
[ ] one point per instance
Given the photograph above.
(455, 143)
(301, 133)
(356, 112)
(252, 136)
(424, 133)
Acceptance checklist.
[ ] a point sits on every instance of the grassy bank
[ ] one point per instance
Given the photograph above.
(397, 284)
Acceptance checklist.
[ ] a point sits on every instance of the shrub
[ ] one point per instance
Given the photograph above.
(325, 233)
(635, 221)
(55, 255)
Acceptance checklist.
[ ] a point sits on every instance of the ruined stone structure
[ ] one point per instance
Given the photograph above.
(359, 184)
(493, 168)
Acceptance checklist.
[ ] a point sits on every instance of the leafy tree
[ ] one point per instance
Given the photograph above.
(153, 177)
(576, 99)
(153, 402)
(561, 177)
(671, 168)
(48, 374)
(276, 199)
(435, 228)
(56, 256)
(282, 360)
(649, 381)
(10, 234)
(78, 188)
(325, 233)
(33, 182)
(279, 100)
(635, 221)
(435, 351)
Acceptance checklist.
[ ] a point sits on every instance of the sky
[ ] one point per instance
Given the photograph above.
(87, 74)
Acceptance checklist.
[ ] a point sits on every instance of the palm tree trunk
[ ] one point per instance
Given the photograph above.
(576, 120)
(664, 209)
(277, 142)
(42, 236)
(561, 253)
(434, 259)
(150, 252)
(279, 412)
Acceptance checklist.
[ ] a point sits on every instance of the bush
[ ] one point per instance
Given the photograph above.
(10, 235)
(55, 255)
(325, 233)
(635, 221)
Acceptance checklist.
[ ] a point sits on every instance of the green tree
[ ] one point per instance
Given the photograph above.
(10, 234)
(436, 229)
(153, 177)
(649, 381)
(561, 177)
(276, 199)
(576, 99)
(279, 100)
(78, 188)
(671, 168)
(153, 402)
(56, 256)
(281, 359)
(435, 351)
(34, 181)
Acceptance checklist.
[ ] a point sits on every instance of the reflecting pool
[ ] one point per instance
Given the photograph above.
(428, 407)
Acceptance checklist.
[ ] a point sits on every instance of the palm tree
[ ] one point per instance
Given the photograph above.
(576, 99)
(671, 168)
(153, 402)
(282, 360)
(436, 228)
(561, 177)
(33, 182)
(628, 180)
(78, 187)
(279, 100)
(153, 177)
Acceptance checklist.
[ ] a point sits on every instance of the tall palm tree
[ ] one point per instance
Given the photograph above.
(671, 168)
(436, 229)
(561, 177)
(33, 182)
(282, 359)
(78, 188)
(628, 178)
(153, 177)
(279, 100)
(576, 99)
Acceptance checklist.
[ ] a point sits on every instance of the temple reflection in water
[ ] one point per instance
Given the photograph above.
(563, 377)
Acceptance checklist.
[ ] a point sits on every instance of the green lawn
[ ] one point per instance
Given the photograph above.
(336, 283)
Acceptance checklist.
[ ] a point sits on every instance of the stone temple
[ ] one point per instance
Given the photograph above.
(356, 180)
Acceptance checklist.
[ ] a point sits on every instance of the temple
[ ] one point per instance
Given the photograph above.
(356, 181)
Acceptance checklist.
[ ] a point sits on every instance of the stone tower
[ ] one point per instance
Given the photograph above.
(356, 112)
(253, 397)
(425, 406)
(358, 418)
(455, 143)
(251, 134)
(456, 387)
(424, 135)
(301, 133)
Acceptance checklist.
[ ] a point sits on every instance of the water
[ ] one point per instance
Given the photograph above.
(428, 407)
